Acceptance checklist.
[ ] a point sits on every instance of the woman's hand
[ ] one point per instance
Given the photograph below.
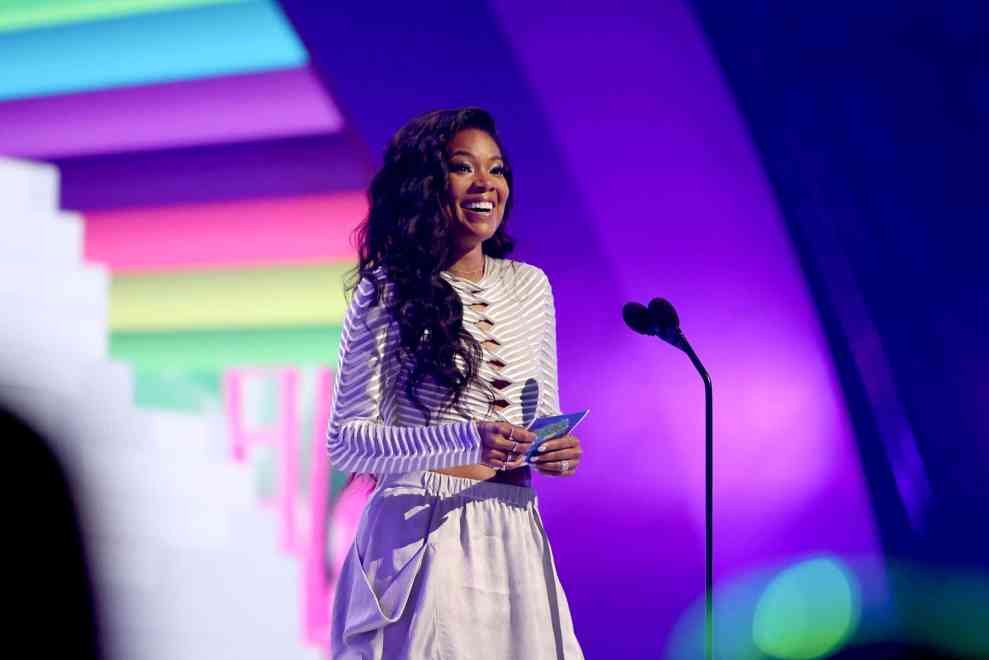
(559, 457)
(503, 446)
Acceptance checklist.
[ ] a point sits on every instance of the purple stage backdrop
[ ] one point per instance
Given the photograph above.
(681, 209)
(635, 178)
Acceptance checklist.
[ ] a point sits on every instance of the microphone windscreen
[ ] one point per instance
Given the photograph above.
(530, 400)
(664, 316)
(637, 317)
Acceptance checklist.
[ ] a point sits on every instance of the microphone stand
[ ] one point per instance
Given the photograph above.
(680, 341)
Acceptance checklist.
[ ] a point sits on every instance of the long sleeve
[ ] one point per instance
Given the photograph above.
(549, 399)
(358, 439)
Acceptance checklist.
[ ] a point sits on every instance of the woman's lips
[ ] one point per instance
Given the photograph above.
(481, 206)
(483, 214)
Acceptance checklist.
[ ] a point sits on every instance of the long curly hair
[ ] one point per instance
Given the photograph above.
(407, 238)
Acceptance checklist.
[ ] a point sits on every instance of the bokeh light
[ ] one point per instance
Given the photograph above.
(808, 607)
(808, 610)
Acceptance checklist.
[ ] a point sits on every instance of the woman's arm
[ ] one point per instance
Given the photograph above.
(357, 439)
(561, 456)
(549, 397)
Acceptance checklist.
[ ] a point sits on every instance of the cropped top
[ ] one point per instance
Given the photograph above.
(375, 428)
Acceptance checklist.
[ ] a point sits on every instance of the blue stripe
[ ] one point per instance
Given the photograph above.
(148, 48)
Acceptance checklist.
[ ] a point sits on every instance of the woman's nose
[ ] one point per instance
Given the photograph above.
(482, 181)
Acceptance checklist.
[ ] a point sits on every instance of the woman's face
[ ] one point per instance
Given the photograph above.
(477, 189)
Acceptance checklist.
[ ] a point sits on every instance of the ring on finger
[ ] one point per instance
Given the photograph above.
(565, 466)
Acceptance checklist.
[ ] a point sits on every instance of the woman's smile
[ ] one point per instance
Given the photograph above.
(481, 206)
(476, 186)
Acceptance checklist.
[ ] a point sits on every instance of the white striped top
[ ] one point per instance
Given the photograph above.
(375, 428)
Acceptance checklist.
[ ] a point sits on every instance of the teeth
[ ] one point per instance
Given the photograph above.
(479, 206)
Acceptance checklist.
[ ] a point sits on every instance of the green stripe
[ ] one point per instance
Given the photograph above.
(185, 391)
(26, 14)
(226, 347)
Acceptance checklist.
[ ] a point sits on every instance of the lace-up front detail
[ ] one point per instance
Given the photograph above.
(479, 315)
(374, 426)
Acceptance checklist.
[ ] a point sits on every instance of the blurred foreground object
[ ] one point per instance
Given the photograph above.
(183, 564)
(50, 586)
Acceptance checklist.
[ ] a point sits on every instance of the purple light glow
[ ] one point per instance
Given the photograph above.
(210, 111)
(683, 210)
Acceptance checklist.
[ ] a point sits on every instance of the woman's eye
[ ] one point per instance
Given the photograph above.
(460, 167)
(498, 171)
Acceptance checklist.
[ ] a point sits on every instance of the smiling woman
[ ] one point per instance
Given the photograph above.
(448, 351)
(478, 192)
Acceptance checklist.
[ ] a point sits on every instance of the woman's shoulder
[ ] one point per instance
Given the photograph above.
(371, 294)
(522, 273)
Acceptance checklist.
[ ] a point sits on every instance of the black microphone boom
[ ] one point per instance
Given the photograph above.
(661, 320)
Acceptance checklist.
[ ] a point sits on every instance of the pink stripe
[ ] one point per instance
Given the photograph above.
(282, 435)
(309, 229)
(214, 110)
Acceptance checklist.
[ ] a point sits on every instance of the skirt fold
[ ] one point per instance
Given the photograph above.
(445, 568)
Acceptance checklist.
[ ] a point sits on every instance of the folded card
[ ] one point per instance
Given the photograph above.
(549, 428)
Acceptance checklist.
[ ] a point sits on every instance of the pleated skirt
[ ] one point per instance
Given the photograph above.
(446, 568)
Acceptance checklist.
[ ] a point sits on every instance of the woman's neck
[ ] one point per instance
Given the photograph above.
(468, 265)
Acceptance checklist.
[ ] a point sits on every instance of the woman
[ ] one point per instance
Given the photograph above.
(448, 351)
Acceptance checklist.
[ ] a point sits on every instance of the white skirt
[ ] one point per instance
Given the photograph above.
(447, 568)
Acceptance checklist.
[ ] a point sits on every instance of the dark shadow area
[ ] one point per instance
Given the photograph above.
(53, 611)
(872, 121)
(891, 651)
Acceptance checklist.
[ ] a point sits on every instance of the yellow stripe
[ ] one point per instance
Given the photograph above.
(256, 298)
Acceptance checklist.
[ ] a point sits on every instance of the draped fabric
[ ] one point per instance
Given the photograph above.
(446, 568)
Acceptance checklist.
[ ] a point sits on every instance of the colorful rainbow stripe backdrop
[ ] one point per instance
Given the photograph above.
(28, 14)
(229, 298)
(203, 286)
(146, 48)
(200, 288)
(105, 77)
(197, 288)
(307, 229)
(176, 114)
(212, 349)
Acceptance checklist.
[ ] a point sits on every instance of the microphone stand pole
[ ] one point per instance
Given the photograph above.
(682, 343)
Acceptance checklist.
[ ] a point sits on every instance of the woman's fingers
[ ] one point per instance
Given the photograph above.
(504, 436)
(505, 446)
(562, 468)
(499, 460)
(559, 455)
(566, 442)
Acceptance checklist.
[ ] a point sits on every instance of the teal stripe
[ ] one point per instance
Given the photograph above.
(148, 48)
(185, 391)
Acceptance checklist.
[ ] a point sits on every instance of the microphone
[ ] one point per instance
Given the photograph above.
(637, 317)
(530, 401)
(660, 319)
(666, 320)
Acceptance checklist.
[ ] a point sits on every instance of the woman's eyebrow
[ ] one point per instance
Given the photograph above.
(464, 152)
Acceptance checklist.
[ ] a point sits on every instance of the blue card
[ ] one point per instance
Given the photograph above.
(548, 428)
